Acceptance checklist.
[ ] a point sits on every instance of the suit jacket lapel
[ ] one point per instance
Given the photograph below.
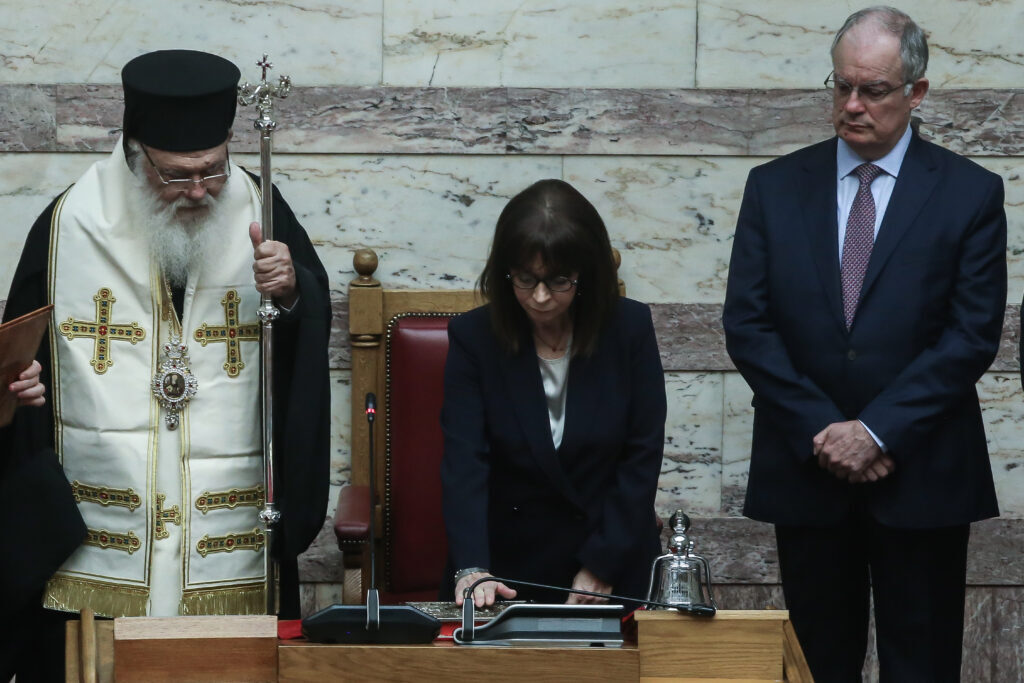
(914, 186)
(819, 203)
(583, 396)
(522, 377)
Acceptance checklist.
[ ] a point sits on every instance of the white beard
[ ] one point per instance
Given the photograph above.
(178, 241)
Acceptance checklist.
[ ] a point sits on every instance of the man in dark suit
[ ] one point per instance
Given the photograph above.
(865, 299)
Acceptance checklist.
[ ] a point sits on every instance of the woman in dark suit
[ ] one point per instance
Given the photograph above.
(554, 413)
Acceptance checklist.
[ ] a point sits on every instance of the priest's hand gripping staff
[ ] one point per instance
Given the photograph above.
(263, 95)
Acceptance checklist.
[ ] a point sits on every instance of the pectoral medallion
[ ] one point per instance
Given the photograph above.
(174, 385)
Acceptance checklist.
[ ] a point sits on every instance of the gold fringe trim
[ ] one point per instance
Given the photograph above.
(247, 599)
(105, 599)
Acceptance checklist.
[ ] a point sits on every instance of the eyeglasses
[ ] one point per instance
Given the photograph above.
(872, 92)
(184, 183)
(558, 283)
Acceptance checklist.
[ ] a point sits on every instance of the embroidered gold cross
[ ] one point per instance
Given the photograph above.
(164, 517)
(102, 331)
(231, 333)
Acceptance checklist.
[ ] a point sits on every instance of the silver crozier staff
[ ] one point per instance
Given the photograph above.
(263, 95)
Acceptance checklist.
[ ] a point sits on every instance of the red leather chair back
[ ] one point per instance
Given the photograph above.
(416, 548)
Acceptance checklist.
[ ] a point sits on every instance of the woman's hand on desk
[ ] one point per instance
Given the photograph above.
(586, 581)
(484, 594)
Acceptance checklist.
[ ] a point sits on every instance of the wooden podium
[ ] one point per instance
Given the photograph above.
(737, 645)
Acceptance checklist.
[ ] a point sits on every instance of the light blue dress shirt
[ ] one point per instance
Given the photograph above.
(847, 184)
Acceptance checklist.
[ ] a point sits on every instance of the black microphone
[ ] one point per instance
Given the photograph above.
(371, 594)
(371, 408)
(372, 623)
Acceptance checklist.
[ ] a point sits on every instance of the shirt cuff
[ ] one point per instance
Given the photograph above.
(289, 309)
(875, 437)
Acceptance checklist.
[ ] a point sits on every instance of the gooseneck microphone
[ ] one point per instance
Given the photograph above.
(372, 597)
(388, 624)
(699, 610)
(591, 625)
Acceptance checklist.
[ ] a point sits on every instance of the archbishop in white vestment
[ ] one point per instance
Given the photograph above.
(152, 363)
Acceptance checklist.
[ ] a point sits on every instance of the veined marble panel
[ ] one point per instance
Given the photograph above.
(979, 639)
(29, 114)
(742, 43)
(28, 183)
(690, 336)
(737, 428)
(600, 43)
(322, 562)
(766, 45)
(497, 120)
(691, 471)
(739, 550)
(672, 218)
(339, 352)
(336, 119)
(313, 41)
(1012, 172)
(1007, 359)
(430, 219)
(748, 596)
(89, 117)
(1008, 623)
(993, 556)
(975, 122)
(1002, 404)
(341, 431)
(596, 121)
(395, 120)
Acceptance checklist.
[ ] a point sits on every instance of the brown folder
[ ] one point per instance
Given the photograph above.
(19, 341)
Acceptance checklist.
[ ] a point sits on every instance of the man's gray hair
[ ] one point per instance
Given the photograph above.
(913, 44)
(132, 153)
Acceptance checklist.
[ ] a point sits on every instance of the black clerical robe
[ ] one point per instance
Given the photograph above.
(301, 415)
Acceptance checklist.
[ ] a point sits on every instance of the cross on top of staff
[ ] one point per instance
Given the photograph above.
(265, 64)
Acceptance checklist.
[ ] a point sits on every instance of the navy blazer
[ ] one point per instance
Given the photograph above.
(926, 329)
(515, 505)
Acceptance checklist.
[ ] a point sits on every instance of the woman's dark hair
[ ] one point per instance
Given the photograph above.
(552, 220)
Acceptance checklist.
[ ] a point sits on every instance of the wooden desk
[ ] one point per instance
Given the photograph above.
(736, 645)
(298, 661)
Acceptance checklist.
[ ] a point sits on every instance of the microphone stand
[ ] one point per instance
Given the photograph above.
(372, 597)
(354, 624)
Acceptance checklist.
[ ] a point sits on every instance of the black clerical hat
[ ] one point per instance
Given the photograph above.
(179, 100)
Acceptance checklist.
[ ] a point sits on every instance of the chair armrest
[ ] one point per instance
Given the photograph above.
(352, 516)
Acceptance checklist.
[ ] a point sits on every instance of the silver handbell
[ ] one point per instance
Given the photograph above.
(680, 577)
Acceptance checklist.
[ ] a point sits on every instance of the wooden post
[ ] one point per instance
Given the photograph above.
(366, 332)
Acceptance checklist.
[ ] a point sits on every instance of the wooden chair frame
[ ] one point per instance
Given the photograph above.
(371, 308)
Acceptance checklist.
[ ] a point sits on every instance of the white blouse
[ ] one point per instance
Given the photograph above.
(555, 375)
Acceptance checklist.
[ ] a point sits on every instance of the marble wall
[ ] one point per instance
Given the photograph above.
(413, 121)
